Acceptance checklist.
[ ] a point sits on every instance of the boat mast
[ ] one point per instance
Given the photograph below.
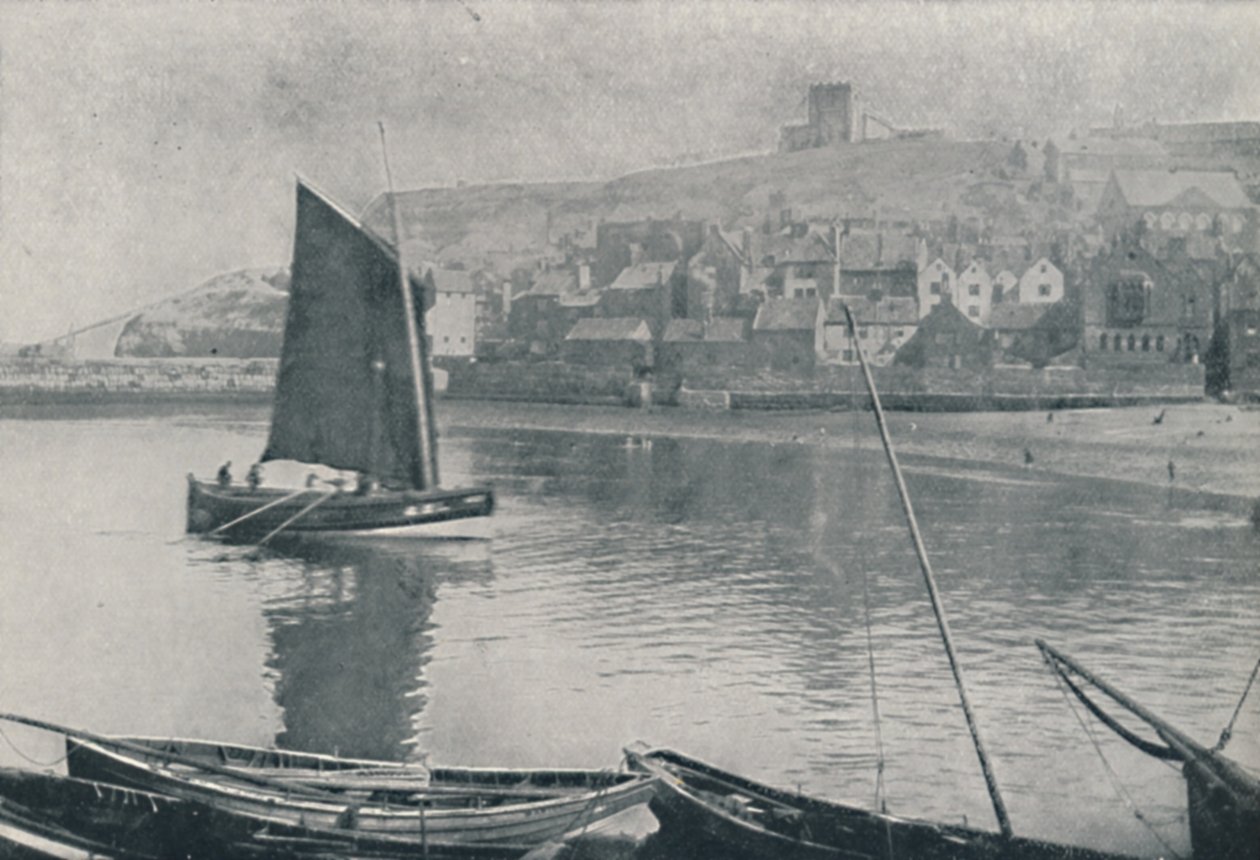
(426, 476)
(938, 609)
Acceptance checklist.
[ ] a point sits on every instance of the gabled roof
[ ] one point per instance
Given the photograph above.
(1011, 316)
(451, 280)
(1164, 187)
(787, 315)
(886, 311)
(810, 248)
(727, 329)
(642, 276)
(610, 328)
(554, 283)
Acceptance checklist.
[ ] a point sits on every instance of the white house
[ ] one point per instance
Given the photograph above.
(452, 321)
(975, 293)
(936, 279)
(1041, 283)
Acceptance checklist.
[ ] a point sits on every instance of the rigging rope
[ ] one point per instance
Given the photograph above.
(1228, 731)
(1114, 778)
(881, 798)
(1151, 749)
(30, 760)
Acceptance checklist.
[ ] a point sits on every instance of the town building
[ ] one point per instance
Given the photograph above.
(691, 346)
(975, 292)
(1157, 204)
(620, 245)
(609, 342)
(1041, 283)
(946, 338)
(542, 316)
(451, 322)
(883, 327)
(718, 275)
(787, 333)
(1139, 309)
(655, 292)
(935, 283)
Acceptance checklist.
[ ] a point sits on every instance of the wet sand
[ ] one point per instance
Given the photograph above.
(1214, 448)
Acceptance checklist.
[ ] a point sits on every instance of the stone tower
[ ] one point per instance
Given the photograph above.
(832, 113)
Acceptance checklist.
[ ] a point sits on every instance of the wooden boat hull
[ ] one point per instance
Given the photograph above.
(455, 805)
(711, 812)
(46, 816)
(384, 512)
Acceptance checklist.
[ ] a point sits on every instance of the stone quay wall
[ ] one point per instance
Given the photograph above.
(50, 381)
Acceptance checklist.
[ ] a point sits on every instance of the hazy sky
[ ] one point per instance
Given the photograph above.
(145, 147)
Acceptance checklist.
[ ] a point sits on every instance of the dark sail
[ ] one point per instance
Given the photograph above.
(345, 396)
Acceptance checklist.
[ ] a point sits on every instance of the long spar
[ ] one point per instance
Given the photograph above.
(938, 609)
(428, 462)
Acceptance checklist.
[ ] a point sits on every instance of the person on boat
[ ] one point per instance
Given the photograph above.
(366, 484)
(254, 478)
(225, 474)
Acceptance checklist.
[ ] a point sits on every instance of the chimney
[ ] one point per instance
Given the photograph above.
(879, 248)
(507, 299)
(746, 246)
(583, 277)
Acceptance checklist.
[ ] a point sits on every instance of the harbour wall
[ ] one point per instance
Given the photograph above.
(27, 381)
(32, 381)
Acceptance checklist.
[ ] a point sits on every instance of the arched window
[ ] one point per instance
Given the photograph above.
(1102, 342)
(1116, 343)
(1132, 342)
(1159, 343)
(1146, 343)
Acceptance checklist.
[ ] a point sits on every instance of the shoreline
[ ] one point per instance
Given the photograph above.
(1214, 448)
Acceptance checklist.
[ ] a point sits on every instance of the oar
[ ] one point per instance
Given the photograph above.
(294, 518)
(259, 510)
(303, 789)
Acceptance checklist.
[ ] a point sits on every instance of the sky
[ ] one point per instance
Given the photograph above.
(145, 147)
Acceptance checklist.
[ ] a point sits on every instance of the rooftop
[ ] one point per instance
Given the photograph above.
(787, 315)
(1164, 187)
(610, 328)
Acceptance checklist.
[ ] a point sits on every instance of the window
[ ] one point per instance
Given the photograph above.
(973, 311)
(1043, 268)
(935, 289)
(945, 280)
(446, 338)
(973, 290)
(1043, 290)
(1132, 342)
(1116, 343)
(463, 340)
(1126, 301)
(864, 333)
(847, 355)
(1146, 343)
(1159, 343)
(1102, 342)
(901, 332)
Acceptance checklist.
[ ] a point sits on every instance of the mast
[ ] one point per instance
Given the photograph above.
(938, 609)
(426, 476)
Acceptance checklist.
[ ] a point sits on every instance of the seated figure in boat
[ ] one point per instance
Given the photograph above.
(366, 484)
(225, 475)
(254, 478)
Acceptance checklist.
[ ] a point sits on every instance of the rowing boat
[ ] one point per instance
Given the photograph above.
(457, 805)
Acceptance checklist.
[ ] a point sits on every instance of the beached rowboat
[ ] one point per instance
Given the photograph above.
(458, 805)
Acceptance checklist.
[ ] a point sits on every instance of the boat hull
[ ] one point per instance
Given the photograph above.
(711, 812)
(242, 514)
(439, 804)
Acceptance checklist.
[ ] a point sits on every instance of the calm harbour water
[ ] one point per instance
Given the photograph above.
(696, 594)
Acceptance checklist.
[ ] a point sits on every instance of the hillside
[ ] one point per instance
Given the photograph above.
(236, 315)
(921, 180)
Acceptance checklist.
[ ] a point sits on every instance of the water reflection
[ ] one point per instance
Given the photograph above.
(351, 635)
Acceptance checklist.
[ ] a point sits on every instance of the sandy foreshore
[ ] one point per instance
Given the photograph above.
(1214, 449)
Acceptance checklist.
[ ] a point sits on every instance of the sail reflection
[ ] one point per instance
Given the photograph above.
(351, 635)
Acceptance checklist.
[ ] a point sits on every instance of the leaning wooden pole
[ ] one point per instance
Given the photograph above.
(427, 476)
(999, 808)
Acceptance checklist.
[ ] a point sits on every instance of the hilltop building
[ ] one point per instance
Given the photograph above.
(837, 116)
(1159, 204)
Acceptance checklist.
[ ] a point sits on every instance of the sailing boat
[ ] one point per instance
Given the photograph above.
(354, 391)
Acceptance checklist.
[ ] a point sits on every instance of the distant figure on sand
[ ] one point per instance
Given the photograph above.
(1159, 419)
(225, 474)
(254, 478)
(1028, 458)
(1049, 417)
(1172, 471)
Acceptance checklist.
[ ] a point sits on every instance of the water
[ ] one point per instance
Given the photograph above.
(698, 594)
